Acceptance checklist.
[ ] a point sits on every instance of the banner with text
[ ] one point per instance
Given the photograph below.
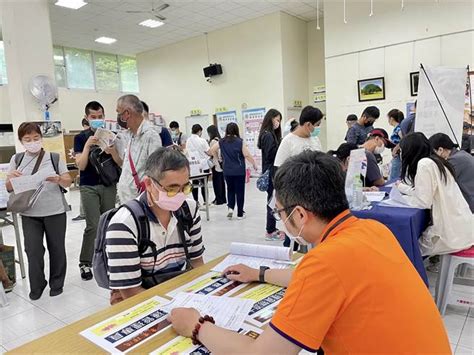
(252, 120)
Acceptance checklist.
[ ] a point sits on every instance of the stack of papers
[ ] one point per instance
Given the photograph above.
(374, 196)
(395, 199)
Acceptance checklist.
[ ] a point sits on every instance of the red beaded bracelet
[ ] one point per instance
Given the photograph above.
(197, 328)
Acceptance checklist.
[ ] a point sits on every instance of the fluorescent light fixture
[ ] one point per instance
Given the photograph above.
(106, 40)
(58, 57)
(151, 23)
(71, 4)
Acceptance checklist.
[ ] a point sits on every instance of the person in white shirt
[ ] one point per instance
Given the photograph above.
(304, 137)
(428, 182)
(198, 147)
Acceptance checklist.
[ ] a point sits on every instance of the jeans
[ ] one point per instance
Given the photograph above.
(236, 190)
(396, 170)
(95, 201)
(218, 184)
(271, 221)
(54, 227)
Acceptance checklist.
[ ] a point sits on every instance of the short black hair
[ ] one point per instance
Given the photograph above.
(371, 112)
(310, 114)
(344, 150)
(441, 140)
(174, 124)
(351, 117)
(93, 105)
(397, 115)
(163, 160)
(196, 128)
(85, 122)
(314, 181)
(145, 107)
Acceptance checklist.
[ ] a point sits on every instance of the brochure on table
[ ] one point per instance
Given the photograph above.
(223, 119)
(252, 119)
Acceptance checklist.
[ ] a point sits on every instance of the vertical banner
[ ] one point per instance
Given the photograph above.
(224, 118)
(450, 87)
(252, 120)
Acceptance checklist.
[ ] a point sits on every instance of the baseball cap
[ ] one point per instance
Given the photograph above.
(380, 132)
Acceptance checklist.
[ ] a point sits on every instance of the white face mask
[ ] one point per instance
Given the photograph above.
(379, 150)
(33, 147)
(298, 239)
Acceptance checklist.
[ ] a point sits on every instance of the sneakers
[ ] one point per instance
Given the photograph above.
(241, 217)
(78, 218)
(230, 213)
(275, 236)
(86, 272)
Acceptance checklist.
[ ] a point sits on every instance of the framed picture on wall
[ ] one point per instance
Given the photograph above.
(371, 89)
(414, 78)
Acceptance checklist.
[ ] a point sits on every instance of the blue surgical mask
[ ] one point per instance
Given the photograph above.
(316, 132)
(97, 124)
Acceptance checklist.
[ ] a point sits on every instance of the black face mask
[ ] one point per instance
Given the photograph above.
(121, 122)
(368, 124)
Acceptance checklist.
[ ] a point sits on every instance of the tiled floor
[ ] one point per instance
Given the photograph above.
(24, 320)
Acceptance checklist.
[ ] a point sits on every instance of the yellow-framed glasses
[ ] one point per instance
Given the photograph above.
(174, 190)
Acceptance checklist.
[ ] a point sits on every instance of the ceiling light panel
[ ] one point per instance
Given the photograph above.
(71, 4)
(106, 40)
(151, 23)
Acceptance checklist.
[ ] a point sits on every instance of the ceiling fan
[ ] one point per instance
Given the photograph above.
(154, 11)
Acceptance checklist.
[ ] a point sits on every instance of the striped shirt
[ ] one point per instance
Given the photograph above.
(125, 263)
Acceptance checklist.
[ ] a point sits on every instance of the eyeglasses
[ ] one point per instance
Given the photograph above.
(174, 190)
(276, 212)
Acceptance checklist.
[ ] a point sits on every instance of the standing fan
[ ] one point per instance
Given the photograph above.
(44, 90)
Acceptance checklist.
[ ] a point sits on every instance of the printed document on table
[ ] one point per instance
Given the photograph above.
(250, 261)
(395, 199)
(129, 329)
(184, 346)
(207, 285)
(228, 312)
(30, 182)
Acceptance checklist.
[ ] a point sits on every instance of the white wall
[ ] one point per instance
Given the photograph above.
(172, 82)
(4, 105)
(391, 44)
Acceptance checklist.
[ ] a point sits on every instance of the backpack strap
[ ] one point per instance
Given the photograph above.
(19, 158)
(55, 161)
(185, 223)
(136, 210)
(179, 138)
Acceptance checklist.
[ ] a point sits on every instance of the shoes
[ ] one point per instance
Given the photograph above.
(274, 236)
(230, 213)
(78, 218)
(36, 295)
(55, 292)
(241, 217)
(86, 272)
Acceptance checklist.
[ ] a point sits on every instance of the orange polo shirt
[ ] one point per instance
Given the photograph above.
(357, 292)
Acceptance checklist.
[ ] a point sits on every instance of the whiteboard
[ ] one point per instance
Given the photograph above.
(203, 120)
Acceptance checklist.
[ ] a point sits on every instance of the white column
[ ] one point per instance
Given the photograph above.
(28, 52)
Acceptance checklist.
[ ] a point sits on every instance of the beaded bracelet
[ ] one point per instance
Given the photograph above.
(197, 328)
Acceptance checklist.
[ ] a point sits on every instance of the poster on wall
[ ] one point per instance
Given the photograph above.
(202, 120)
(319, 94)
(53, 140)
(3, 189)
(223, 119)
(450, 87)
(252, 120)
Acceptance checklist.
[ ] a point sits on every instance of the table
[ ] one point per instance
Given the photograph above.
(407, 224)
(68, 339)
(204, 177)
(14, 222)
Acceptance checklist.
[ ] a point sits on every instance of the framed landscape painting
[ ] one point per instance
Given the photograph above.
(371, 89)
(414, 78)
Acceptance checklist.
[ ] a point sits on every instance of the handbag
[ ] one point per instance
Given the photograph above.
(263, 181)
(23, 201)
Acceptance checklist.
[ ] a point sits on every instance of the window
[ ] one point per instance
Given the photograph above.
(59, 66)
(128, 74)
(106, 71)
(79, 69)
(3, 67)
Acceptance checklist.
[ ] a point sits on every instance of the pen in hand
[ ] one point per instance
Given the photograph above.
(223, 276)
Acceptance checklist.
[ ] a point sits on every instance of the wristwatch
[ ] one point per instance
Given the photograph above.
(261, 275)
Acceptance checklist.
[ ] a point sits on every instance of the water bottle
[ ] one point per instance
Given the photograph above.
(357, 194)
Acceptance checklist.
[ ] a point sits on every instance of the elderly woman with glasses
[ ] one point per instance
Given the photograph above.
(164, 203)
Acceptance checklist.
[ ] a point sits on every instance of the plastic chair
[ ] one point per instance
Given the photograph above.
(444, 284)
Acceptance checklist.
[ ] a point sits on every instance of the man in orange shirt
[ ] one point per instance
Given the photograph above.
(355, 292)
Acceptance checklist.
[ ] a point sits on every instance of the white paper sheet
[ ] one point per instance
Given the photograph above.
(206, 285)
(30, 182)
(106, 138)
(374, 196)
(261, 251)
(228, 312)
(131, 328)
(252, 262)
(395, 199)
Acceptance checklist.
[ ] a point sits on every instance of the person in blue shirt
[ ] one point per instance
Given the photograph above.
(358, 133)
(165, 134)
(395, 118)
(408, 124)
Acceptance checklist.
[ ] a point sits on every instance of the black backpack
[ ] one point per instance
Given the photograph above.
(149, 279)
(105, 166)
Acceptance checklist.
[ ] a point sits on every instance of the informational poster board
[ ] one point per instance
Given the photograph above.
(3, 190)
(112, 125)
(202, 120)
(224, 118)
(53, 140)
(450, 87)
(252, 120)
(469, 102)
